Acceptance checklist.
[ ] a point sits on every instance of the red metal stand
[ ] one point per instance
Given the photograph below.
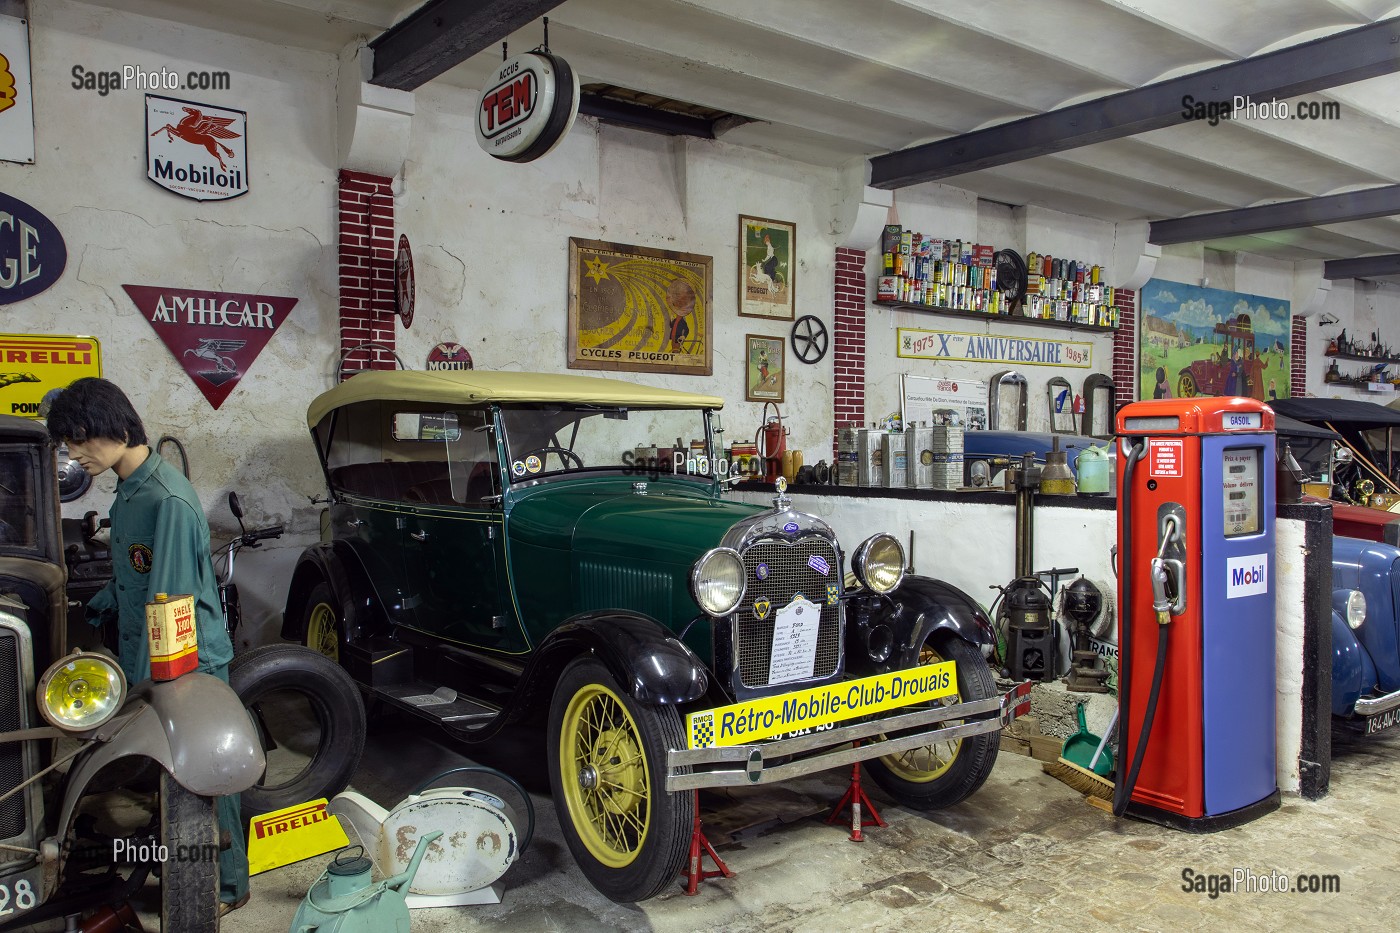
(699, 847)
(856, 798)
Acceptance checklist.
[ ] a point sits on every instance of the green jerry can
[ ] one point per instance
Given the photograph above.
(344, 901)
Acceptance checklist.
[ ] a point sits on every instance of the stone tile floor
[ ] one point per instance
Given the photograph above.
(1025, 852)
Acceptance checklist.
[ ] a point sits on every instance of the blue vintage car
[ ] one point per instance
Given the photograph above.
(1365, 651)
(999, 449)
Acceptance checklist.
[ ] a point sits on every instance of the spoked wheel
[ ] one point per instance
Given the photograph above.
(931, 777)
(607, 767)
(809, 339)
(311, 721)
(323, 623)
(189, 880)
(1186, 386)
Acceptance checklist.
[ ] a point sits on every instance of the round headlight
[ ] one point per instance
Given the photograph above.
(81, 691)
(1356, 608)
(717, 581)
(879, 563)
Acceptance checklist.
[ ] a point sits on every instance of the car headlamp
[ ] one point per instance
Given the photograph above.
(717, 581)
(81, 691)
(1356, 608)
(879, 563)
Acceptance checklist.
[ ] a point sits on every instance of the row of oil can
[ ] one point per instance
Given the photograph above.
(921, 456)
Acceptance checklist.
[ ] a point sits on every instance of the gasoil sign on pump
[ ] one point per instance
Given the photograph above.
(1196, 572)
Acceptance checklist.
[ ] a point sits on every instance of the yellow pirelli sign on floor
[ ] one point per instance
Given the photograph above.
(740, 723)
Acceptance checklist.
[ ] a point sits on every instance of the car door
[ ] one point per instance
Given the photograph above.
(454, 542)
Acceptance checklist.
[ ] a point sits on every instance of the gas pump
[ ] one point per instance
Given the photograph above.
(1196, 627)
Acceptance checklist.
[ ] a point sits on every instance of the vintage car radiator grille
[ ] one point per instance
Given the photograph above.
(12, 694)
(788, 575)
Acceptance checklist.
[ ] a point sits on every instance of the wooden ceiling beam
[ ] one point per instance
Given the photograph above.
(1343, 58)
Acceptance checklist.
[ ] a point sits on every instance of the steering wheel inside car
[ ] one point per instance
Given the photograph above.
(563, 453)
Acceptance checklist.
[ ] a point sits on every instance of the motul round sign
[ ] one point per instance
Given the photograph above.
(528, 107)
(449, 355)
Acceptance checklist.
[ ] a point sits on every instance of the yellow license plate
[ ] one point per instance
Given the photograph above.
(754, 720)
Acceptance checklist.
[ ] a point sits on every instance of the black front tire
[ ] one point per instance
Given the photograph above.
(332, 697)
(189, 884)
(628, 835)
(924, 778)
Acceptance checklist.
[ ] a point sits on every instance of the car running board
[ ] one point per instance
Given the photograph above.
(442, 705)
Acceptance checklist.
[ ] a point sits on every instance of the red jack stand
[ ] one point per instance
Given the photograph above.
(856, 798)
(699, 846)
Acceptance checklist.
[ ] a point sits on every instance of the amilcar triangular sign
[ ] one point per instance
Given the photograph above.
(215, 336)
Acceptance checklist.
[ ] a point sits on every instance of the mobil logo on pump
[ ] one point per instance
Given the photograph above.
(1246, 576)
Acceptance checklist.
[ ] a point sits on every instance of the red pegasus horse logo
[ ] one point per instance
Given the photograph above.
(202, 131)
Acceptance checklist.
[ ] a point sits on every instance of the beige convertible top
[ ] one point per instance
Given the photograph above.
(475, 387)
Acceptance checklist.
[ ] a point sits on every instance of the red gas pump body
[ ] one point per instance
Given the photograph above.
(1215, 702)
(771, 441)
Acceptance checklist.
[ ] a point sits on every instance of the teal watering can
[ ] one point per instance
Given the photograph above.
(344, 901)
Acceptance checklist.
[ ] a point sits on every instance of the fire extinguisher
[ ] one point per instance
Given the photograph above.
(771, 440)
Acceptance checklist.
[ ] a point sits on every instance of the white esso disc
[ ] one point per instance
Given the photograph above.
(527, 108)
(477, 845)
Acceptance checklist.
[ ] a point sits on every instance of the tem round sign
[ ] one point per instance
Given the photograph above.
(527, 108)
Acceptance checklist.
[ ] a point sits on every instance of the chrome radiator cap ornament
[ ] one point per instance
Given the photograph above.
(781, 502)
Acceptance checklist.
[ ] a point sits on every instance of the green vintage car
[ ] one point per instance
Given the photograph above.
(510, 546)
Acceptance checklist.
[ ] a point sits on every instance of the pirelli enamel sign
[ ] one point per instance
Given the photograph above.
(755, 720)
(31, 365)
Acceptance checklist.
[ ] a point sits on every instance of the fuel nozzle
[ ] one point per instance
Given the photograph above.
(1161, 582)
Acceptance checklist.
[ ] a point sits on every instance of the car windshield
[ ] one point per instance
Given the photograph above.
(19, 526)
(544, 440)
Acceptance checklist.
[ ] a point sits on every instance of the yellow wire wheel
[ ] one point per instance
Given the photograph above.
(607, 773)
(606, 780)
(941, 774)
(926, 762)
(323, 623)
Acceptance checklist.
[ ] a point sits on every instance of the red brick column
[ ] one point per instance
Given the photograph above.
(848, 341)
(366, 269)
(1298, 358)
(1125, 375)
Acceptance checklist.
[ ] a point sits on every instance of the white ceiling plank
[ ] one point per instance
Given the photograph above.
(1121, 47)
(1241, 28)
(903, 40)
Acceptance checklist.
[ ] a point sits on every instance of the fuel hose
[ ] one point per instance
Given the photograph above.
(1123, 789)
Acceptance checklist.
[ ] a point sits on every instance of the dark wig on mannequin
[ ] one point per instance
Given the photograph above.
(93, 407)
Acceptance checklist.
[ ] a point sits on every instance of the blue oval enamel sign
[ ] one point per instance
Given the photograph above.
(32, 254)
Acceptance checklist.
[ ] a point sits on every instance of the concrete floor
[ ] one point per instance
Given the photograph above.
(1025, 852)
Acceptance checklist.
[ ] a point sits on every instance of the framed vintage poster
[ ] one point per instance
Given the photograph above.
(1206, 341)
(766, 268)
(639, 310)
(764, 363)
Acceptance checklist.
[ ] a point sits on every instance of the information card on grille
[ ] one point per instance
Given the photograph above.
(740, 723)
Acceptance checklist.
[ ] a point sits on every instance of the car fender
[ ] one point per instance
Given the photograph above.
(1353, 673)
(922, 606)
(643, 656)
(194, 727)
(338, 564)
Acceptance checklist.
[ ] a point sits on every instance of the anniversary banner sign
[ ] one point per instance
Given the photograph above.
(917, 344)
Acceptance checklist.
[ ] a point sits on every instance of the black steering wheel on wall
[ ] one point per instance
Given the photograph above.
(810, 339)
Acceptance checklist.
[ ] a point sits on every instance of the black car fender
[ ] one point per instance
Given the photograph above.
(337, 564)
(645, 658)
(915, 611)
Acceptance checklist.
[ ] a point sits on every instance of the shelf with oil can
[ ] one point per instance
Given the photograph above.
(1358, 358)
(987, 316)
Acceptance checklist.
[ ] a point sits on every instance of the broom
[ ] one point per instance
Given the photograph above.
(1085, 780)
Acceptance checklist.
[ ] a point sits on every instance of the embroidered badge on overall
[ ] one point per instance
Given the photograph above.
(140, 556)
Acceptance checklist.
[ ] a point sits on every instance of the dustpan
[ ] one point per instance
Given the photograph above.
(1081, 747)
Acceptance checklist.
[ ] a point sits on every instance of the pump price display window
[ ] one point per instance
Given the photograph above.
(1241, 490)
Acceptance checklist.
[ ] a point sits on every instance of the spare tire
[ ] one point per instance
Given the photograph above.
(308, 712)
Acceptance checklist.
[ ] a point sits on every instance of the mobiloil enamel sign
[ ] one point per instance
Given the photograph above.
(527, 108)
(740, 723)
